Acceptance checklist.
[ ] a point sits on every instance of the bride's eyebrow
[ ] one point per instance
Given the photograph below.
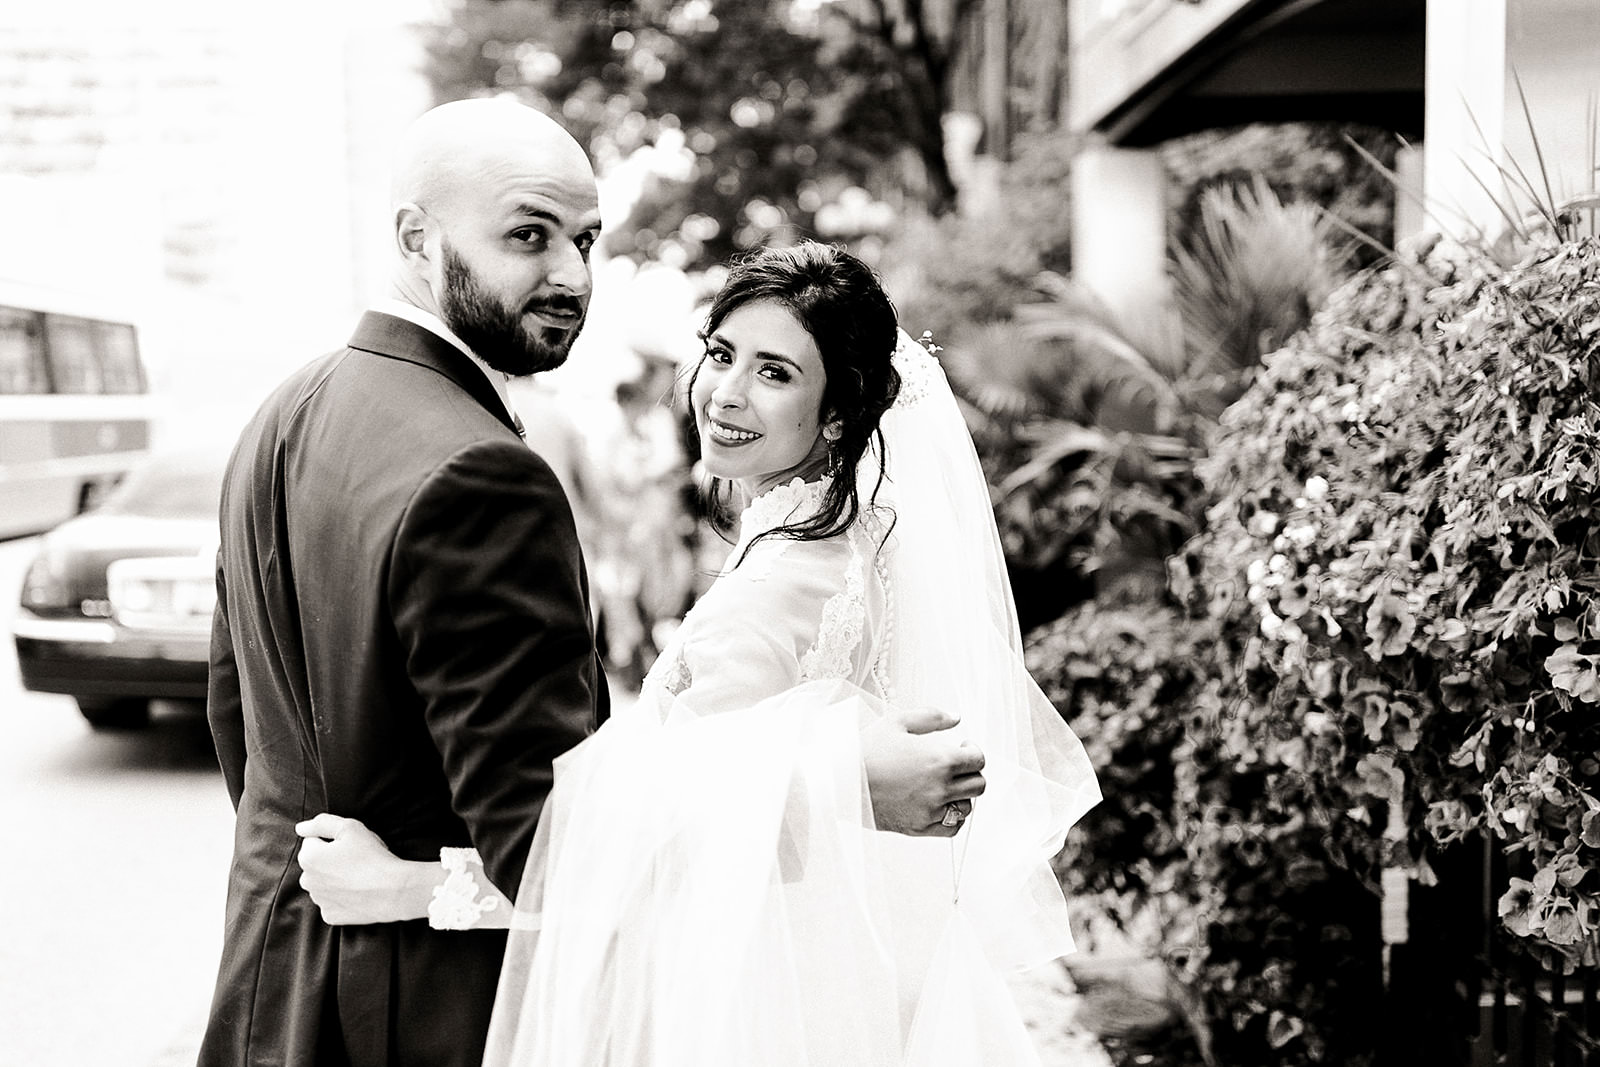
(775, 357)
(778, 357)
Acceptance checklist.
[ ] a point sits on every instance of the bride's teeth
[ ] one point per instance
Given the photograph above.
(732, 434)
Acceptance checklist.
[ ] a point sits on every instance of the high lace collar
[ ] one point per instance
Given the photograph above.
(792, 501)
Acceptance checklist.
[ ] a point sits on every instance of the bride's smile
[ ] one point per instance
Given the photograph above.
(757, 399)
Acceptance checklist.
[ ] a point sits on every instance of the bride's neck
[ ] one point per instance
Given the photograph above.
(750, 488)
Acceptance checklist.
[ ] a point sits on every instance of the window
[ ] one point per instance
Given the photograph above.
(119, 357)
(22, 368)
(73, 364)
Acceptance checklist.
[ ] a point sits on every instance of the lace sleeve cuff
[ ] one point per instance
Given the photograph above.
(466, 900)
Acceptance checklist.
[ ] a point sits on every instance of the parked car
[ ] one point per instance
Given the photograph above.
(116, 608)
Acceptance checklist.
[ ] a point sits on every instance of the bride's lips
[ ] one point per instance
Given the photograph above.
(718, 431)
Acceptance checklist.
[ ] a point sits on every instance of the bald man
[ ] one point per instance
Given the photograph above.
(402, 631)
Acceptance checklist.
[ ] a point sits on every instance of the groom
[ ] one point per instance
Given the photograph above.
(402, 631)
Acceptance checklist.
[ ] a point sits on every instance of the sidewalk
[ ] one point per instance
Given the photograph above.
(1050, 1004)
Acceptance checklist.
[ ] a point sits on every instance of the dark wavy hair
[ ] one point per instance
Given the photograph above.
(841, 303)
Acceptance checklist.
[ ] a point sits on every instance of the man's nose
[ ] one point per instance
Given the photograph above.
(570, 270)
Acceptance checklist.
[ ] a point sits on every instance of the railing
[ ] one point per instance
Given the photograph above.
(1529, 1016)
(1462, 992)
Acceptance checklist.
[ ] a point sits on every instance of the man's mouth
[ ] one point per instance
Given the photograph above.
(559, 316)
(722, 433)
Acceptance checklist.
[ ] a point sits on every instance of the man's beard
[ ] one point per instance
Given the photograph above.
(495, 332)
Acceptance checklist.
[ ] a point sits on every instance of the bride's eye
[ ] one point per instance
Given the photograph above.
(718, 355)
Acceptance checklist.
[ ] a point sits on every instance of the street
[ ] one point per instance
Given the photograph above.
(116, 852)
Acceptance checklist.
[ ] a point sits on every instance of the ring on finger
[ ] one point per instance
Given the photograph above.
(952, 816)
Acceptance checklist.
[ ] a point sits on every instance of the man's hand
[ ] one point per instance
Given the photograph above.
(354, 879)
(916, 771)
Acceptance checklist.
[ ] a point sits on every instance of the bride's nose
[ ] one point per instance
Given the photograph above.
(729, 391)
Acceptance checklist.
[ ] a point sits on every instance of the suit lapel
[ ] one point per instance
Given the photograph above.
(396, 338)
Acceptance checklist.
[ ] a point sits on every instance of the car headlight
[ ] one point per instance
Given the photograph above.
(44, 587)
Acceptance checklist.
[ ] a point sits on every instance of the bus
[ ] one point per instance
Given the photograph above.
(75, 406)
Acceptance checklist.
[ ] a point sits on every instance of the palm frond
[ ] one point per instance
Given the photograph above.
(1068, 440)
(1253, 273)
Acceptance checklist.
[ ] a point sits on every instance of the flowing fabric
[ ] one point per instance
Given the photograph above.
(705, 887)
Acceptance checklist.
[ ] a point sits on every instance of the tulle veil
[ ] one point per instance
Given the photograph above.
(703, 887)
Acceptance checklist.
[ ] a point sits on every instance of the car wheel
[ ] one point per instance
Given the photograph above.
(115, 714)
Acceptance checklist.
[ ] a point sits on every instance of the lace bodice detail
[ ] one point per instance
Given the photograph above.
(843, 617)
(792, 501)
(785, 611)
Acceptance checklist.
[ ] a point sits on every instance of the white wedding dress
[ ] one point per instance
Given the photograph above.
(704, 888)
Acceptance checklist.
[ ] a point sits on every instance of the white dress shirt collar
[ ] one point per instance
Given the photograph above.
(402, 309)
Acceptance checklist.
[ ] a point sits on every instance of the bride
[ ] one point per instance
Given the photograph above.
(706, 885)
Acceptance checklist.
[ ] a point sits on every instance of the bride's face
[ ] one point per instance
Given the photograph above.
(757, 399)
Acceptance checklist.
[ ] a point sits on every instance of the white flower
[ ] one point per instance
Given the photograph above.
(1301, 534)
(1279, 562)
(1271, 625)
(1351, 412)
(1256, 572)
(1316, 487)
(1263, 524)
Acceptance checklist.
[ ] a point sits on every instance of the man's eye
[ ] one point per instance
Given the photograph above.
(533, 237)
(585, 243)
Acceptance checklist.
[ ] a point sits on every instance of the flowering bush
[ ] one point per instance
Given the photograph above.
(1268, 945)
(1408, 502)
(1386, 641)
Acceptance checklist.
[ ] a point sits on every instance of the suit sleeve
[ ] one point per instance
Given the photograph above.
(224, 705)
(487, 594)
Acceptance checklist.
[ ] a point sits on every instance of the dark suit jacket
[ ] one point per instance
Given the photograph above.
(402, 635)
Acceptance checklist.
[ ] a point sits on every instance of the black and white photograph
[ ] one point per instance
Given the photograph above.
(800, 533)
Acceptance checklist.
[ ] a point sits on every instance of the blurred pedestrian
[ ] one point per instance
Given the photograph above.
(644, 570)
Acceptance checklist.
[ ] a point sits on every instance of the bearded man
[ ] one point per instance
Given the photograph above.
(402, 630)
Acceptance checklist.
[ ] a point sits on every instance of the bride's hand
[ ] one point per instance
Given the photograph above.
(916, 772)
(354, 879)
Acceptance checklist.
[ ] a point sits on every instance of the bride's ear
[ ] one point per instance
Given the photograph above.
(833, 430)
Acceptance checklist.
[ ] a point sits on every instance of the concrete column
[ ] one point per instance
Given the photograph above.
(1409, 217)
(1477, 51)
(1464, 117)
(1119, 234)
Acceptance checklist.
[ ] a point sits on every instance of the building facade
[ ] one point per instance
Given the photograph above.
(1444, 74)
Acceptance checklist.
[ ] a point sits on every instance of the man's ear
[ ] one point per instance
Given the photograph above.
(411, 231)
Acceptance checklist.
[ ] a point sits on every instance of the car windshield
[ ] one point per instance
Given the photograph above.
(183, 487)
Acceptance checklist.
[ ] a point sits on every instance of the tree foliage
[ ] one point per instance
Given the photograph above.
(768, 108)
